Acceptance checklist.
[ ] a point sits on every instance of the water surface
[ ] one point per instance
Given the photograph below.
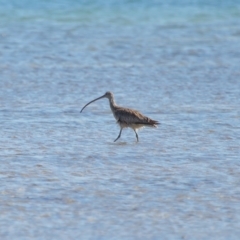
(62, 176)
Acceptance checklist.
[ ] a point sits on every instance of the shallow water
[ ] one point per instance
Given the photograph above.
(62, 175)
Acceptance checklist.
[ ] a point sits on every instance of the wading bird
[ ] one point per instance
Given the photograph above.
(126, 117)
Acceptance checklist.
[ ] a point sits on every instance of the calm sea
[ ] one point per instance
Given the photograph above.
(62, 176)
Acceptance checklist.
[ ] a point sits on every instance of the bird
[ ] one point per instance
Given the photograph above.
(126, 117)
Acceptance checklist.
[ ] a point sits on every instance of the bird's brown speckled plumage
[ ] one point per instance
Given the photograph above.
(127, 117)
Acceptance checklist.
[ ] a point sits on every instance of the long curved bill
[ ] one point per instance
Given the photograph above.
(92, 102)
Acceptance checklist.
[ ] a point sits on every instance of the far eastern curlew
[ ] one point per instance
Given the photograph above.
(126, 117)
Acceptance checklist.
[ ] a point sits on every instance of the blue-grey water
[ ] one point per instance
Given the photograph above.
(62, 176)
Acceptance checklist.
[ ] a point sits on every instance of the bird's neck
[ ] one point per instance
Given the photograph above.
(112, 104)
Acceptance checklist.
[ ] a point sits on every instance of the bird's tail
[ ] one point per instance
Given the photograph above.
(155, 123)
(152, 123)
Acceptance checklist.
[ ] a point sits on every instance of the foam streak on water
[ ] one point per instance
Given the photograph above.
(63, 177)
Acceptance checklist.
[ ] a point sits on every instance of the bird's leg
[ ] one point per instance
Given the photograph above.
(119, 135)
(136, 134)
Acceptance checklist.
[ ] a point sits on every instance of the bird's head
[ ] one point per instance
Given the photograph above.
(108, 95)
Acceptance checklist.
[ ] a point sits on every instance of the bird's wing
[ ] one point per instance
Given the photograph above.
(130, 116)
